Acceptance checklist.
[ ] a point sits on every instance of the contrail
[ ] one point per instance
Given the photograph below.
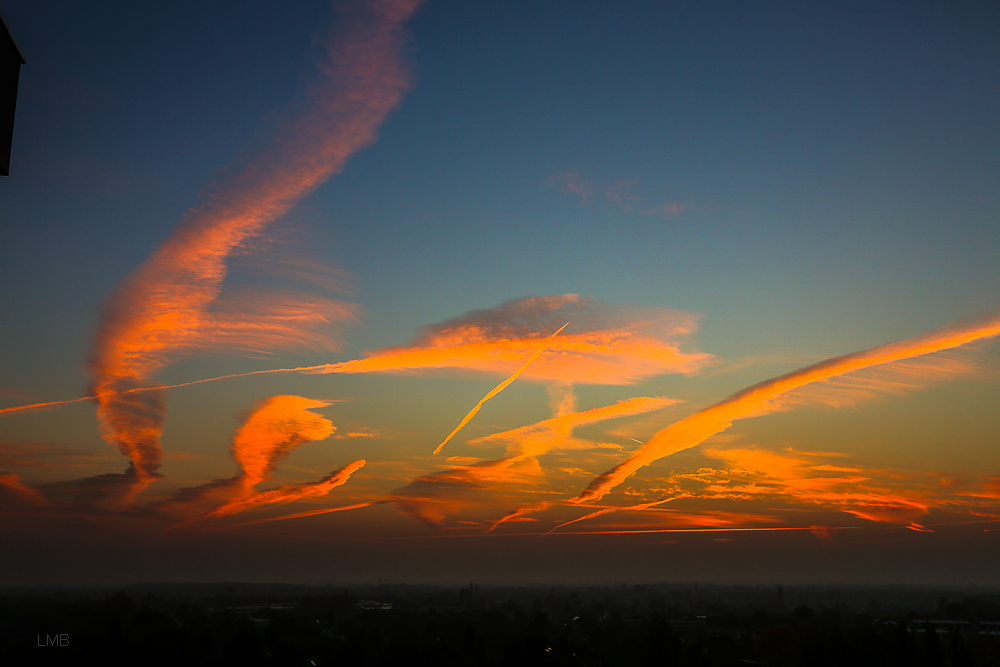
(497, 389)
(299, 515)
(164, 307)
(135, 390)
(609, 510)
(39, 406)
(754, 400)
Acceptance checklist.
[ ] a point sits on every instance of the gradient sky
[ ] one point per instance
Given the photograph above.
(769, 228)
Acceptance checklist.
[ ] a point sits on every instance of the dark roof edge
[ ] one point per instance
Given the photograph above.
(12, 40)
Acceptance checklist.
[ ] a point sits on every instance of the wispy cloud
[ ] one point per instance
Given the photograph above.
(763, 397)
(46, 455)
(269, 433)
(603, 343)
(431, 497)
(170, 304)
(14, 492)
(621, 194)
(571, 182)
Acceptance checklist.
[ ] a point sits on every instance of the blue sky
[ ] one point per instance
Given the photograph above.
(811, 180)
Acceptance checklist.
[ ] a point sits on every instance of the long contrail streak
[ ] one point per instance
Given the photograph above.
(697, 428)
(39, 406)
(299, 515)
(497, 389)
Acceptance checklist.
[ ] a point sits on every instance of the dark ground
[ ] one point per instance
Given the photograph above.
(254, 625)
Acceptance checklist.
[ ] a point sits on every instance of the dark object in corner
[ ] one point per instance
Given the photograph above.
(11, 60)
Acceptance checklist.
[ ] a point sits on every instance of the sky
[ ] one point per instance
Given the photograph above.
(519, 292)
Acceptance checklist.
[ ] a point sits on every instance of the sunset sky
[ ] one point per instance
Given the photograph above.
(562, 291)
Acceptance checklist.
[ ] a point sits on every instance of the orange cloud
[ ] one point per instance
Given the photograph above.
(290, 492)
(42, 406)
(14, 492)
(277, 426)
(540, 438)
(496, 390)
(603, 343)
(761, 398)
(431, 497)
(896, 379)
(992, 487)
(299, 515)
(520, 513)
(681, 521)
(900, 512)
(609, 510)
(170, 303)
(794, 477)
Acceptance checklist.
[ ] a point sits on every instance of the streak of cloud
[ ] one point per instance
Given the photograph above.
(621, 194)
(867, 494)
(42, 406)
(430, 498)
(45, 455)
(497, 389)
(290, 492)
(603, 344)
(14, 492)
(166, 305)
(299, 515)
(520, 513)
(542, 437)
(760, 398)
(895, 379)
(609, 510)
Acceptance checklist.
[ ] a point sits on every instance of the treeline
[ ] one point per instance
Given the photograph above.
(250, 626)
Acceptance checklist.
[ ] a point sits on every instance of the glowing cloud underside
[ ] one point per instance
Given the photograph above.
(164, 307)
(759, 399)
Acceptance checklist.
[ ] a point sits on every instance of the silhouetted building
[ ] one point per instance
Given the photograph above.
(11, 60)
